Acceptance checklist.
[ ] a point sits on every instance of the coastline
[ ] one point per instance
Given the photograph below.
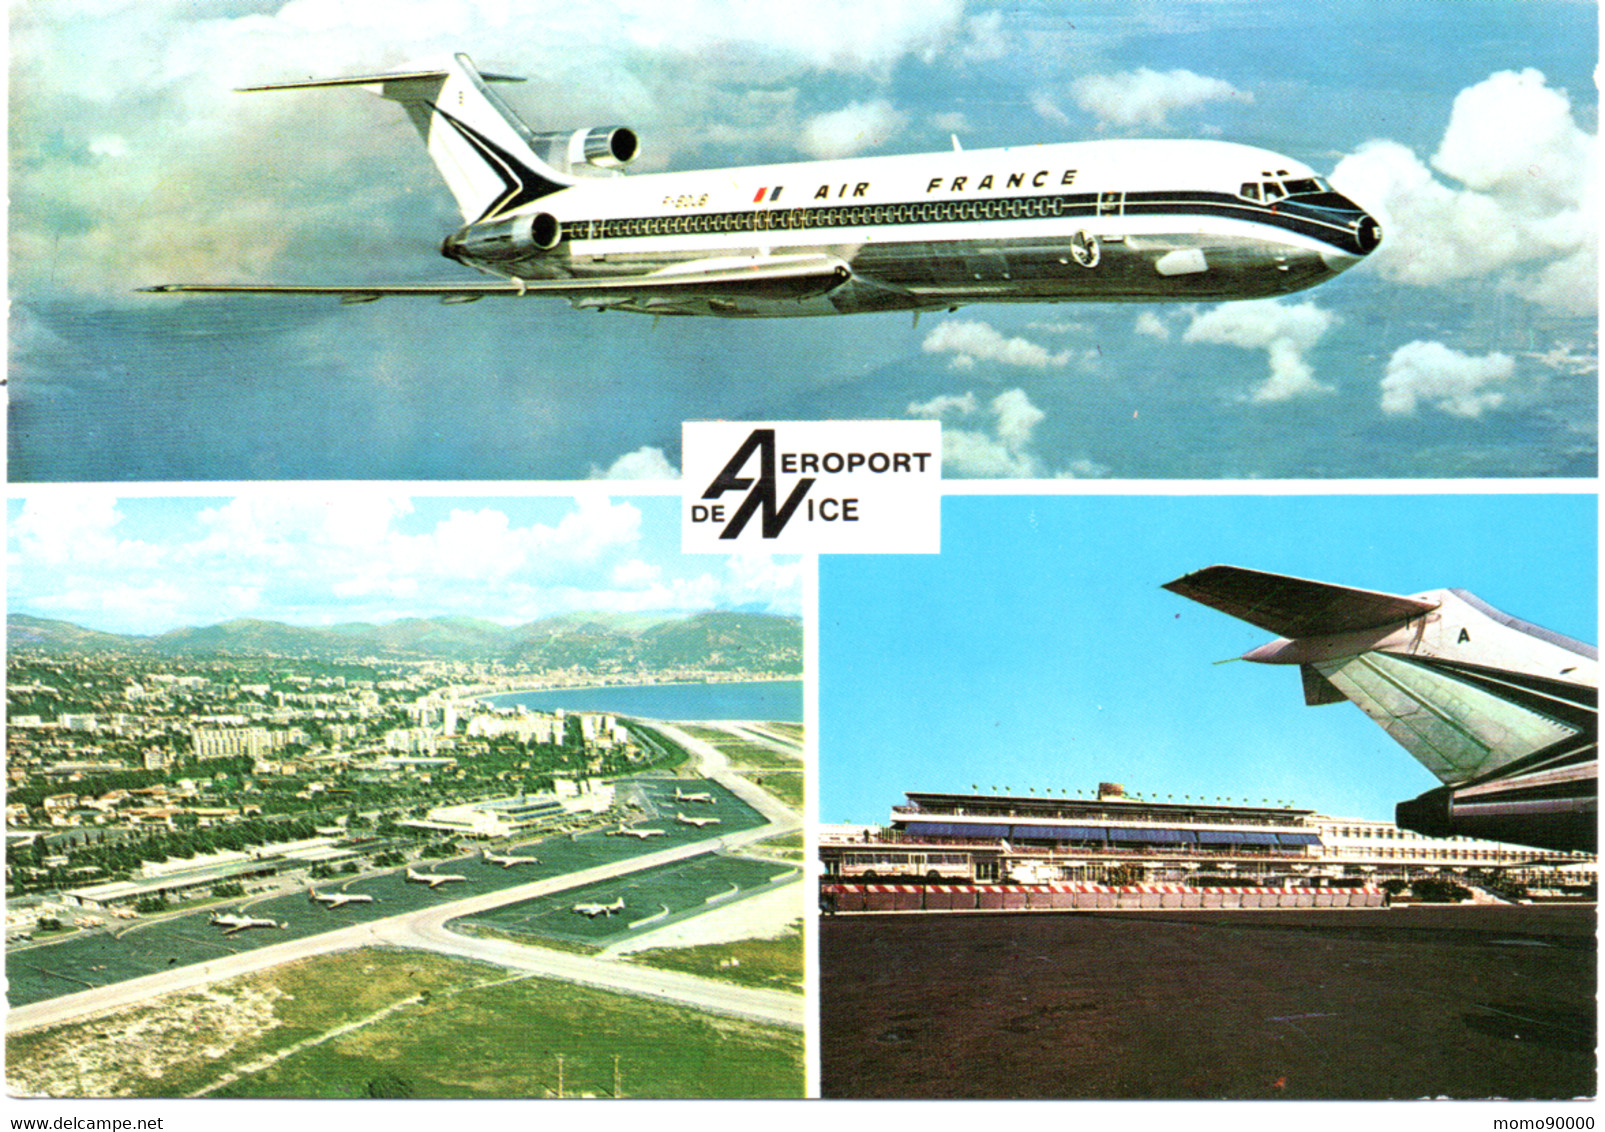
(521, 691)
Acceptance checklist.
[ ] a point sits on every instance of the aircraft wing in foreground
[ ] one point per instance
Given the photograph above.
(1504, 713)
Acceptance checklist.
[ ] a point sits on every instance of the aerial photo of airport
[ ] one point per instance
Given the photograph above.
(399, 856)
(1067, 852)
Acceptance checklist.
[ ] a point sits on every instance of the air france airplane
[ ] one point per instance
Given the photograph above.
(642, 833)
(507, 861)
(1504, 713)
(233, 923)
(1113, 220)
(433, 880)
(338, 899)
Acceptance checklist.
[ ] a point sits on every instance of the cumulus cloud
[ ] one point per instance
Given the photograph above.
(209, 183)
(1519, 207)
(1285, 333)
(1432, 374)
(971, 341)
(1150, 325)
(998, 444)
(852, 129)
(645, 463)
(359, 556)
(1148, 97)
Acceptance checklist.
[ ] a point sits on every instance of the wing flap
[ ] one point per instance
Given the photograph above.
(1295, 607)
(773, 277)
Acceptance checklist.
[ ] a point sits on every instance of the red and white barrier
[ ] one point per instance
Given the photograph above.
(1081, 896)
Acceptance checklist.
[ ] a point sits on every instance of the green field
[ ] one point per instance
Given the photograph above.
(785, 785)
(751, 755)
(773, 964)
(381, 1022)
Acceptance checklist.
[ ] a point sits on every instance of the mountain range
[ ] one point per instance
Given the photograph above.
(715, 640)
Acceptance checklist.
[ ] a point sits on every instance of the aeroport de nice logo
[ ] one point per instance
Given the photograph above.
(811, 487)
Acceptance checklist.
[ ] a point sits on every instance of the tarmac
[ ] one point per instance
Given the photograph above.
(1332, 1004)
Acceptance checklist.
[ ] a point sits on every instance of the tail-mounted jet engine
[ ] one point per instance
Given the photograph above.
(588, 151)
(504, 241)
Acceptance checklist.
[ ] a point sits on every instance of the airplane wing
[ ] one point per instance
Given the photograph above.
(1294, 607)
(731, 278)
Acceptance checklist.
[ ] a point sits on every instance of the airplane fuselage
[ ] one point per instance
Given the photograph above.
(1103, 220)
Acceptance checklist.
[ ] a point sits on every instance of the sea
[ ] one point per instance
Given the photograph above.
(780, 701)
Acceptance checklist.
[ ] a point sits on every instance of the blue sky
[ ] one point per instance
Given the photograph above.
(319, 557)
(1038, 651)
(1466, 347)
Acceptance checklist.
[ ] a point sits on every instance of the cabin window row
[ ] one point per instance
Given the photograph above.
(847, 216)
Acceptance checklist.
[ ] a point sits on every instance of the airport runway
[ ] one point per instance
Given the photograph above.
(1426, 1001)
(428, 931)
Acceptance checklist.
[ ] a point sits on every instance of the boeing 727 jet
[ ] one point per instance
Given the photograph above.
(595, 910)
(233, 923)
(1111, 220)
(507, 861)
(1504, 713)
(698, 822)
(338, 899)
(433, 880)
(705, 798)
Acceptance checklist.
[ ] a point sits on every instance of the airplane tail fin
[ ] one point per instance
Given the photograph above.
(485, 153)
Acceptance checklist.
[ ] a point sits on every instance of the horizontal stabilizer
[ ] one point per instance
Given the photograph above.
(1295, 607)
(736, 277)
(374, 80)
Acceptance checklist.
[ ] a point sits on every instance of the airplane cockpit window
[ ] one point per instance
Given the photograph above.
(1250, 190)
(1273, 191)
(1306, 185)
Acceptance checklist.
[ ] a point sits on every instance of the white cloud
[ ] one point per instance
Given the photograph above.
(1523, 211)
(1147, 96)
(852, 129)
(1048, 109)
(962, 404)
(1150, 325)
(984, 38)
(1285, 333)
(1459, 384)
(1000, 446)
(361, 556)
(971, 341)
(645, 463)
(215, 184)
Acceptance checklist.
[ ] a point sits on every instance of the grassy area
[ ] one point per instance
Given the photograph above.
(461, 1029)
(774, 964)
(785, 785)
(794, 730)
(709, 734)
(746, 754)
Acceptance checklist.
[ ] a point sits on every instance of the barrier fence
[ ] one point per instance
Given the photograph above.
(1075, 897)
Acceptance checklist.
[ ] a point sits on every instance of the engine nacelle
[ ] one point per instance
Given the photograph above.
(595, 147)
(504, 240)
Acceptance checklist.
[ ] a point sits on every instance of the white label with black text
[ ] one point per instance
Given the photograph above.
(811, 487)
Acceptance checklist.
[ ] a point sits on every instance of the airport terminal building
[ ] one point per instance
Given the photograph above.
(990, 839)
